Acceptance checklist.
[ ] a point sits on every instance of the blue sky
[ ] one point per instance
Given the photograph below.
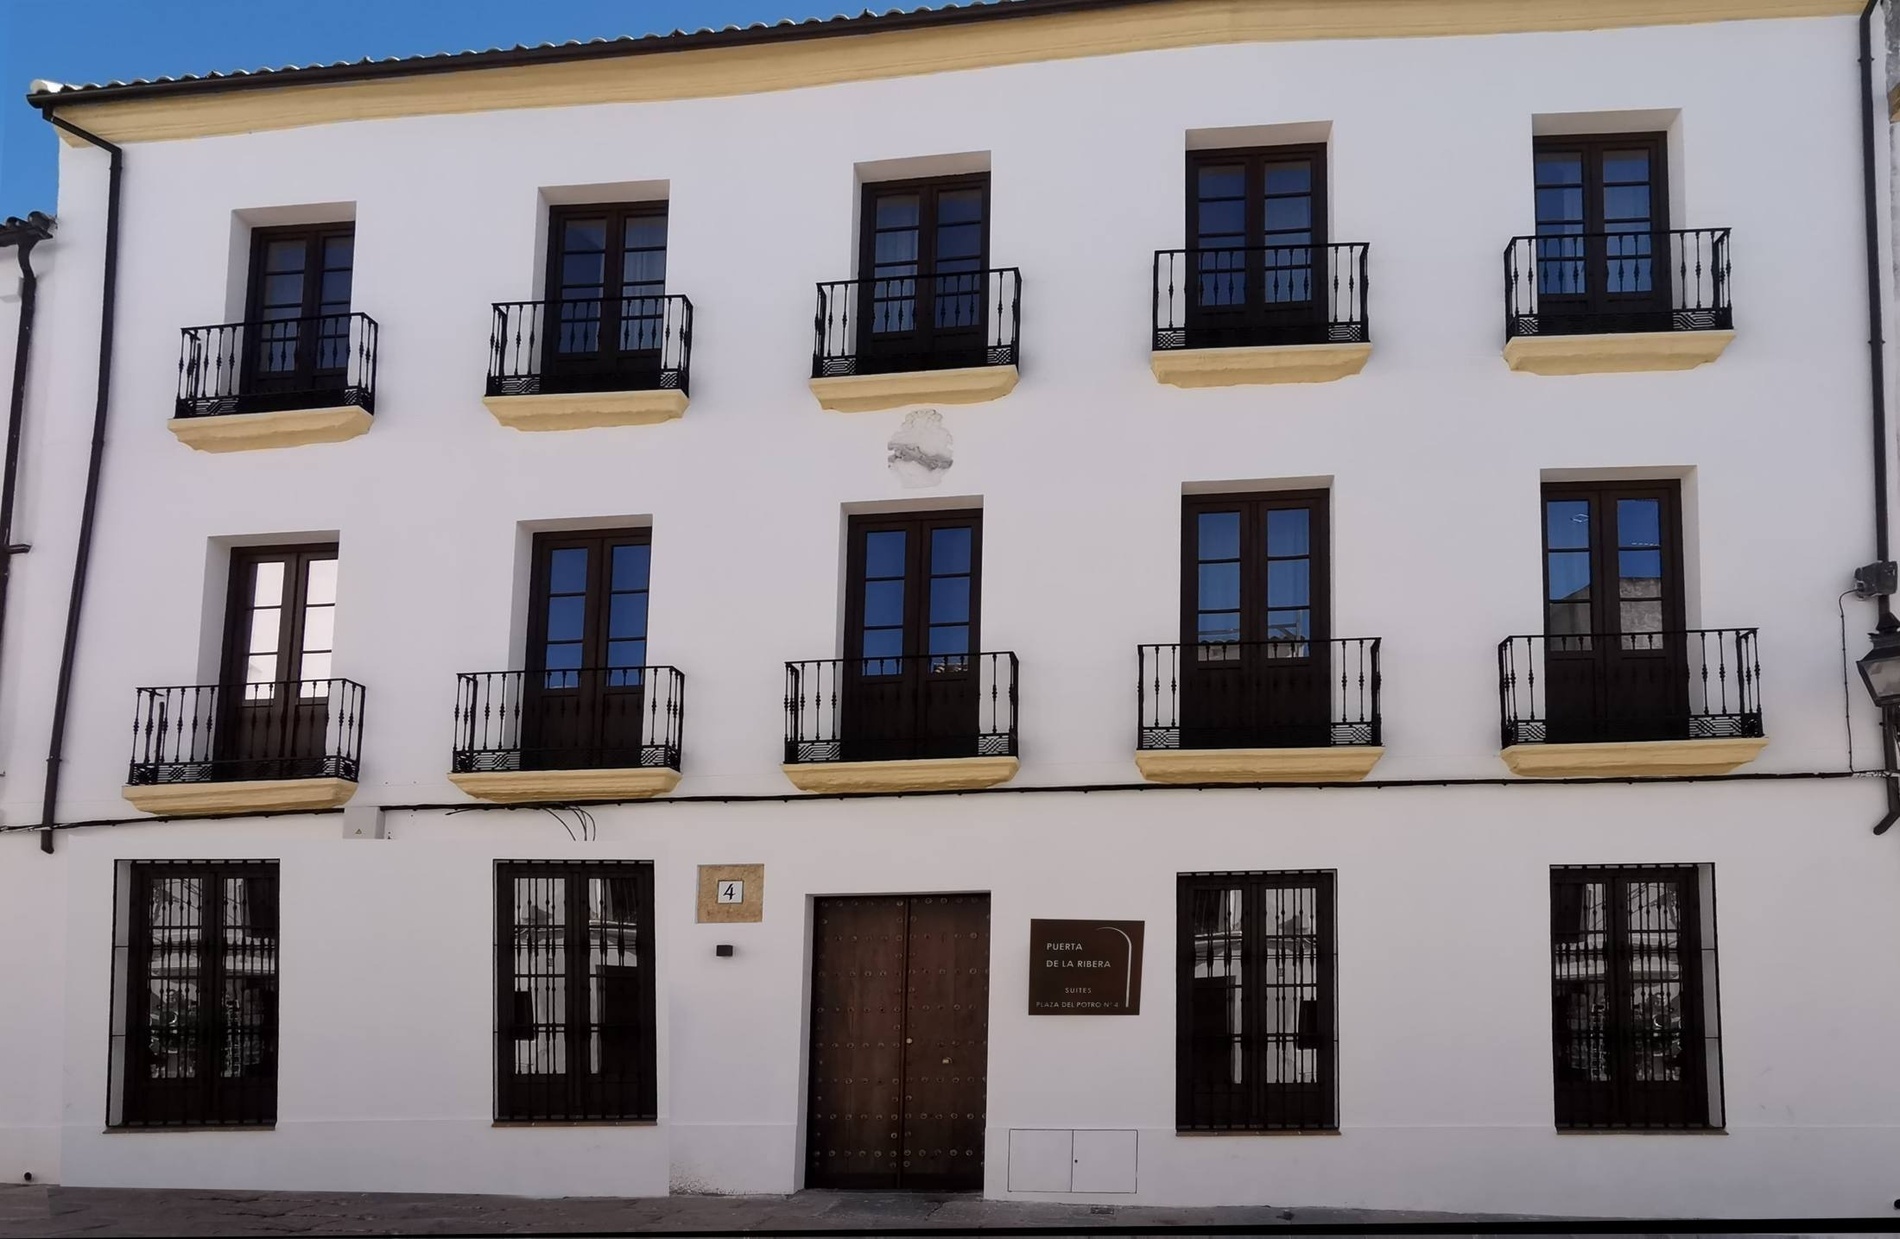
(98, 40)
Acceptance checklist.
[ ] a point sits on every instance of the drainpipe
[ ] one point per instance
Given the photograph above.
(82, 557)
(23, 235)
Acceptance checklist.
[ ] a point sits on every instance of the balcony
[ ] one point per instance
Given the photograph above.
(1283, 711)
(1630, 704)
(923, 339)
(931, 722)
(257, 748)
(1619, 302)
(592, 733)
(576, 364)
(282, 382)
(1260, 314)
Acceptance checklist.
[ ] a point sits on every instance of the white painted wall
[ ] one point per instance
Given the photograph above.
(1435, 452)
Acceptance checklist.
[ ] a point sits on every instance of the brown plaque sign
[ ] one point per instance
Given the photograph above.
(1085, 967)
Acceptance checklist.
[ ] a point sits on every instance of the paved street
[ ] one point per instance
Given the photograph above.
(36, 1210)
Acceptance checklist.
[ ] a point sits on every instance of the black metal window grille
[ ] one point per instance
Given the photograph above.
(588, 718)
(922, 321)
(1248, 694)
(1578, 283)
(1635, 1021)
(890, 708)
(313, 361)
(208, 733)
(1308, 294)
(194, 1025)
(1256, 1040)
(631, 343)
(1579, 688)
(574, 1001)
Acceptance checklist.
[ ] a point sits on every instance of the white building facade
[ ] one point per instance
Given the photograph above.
(680, 551)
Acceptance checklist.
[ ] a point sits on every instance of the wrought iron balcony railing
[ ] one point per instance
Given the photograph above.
(591, 345)
(1699, 684)
(278, 364)
(893, 709)
(211, 733)
(1566, 283)
(893, 324)
(588, 718)
(1259, 694)
(1247, 296)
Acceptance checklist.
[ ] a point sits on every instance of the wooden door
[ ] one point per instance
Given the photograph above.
(298, 314)
(606, 316)
(280, 623)
(1602, 234)
(900, 1042)
(1615, 655)
(583, 703)
(1257, 226)
(1256, 657)
(924, 287)
(911, 668)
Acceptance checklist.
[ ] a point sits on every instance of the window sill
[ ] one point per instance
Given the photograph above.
(575, 1123)
(240, 796)
(1277, 363)
(588, 410)
(250, 432)
(196, 1129)
(868, 393)
(1259, 1131)
(1641, 1131)
(543, 786)
(1336, 764)
(1632, 759)
(1624, 352)
(925, 775)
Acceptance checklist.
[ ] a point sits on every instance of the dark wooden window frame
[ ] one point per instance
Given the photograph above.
(613, 272)
(919, 526)
(1597, 257)
(1613, 1106)
(569, 1096)
(926, 187)
(599, 587)
(1256, 1104)
(238, 607)
(1603, 543)
(1253, 608)
(312, 342)
(1592, 146)
(211, 1099)
(1255, 311)
(314, 235)
(1256, 158)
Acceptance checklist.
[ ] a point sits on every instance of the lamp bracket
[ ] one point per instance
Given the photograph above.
(1877, 580)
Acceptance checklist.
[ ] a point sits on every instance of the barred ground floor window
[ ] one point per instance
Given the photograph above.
(574, 1002)
(1635, 1024)
(1256, 1046)
(194, 1022)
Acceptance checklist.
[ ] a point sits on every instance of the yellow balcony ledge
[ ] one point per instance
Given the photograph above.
(1275, 363)
(1626, 352)
(251, 432)
(1335, 764)
(587, 410)
(240, 796)
(867, 393)
(935, 774)
(1632, 759)
(547, 786)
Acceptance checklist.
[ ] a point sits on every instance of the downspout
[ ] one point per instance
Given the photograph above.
(82, 557)
(23, 234)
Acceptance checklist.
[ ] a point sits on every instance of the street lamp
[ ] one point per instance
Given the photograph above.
(1880, 667)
